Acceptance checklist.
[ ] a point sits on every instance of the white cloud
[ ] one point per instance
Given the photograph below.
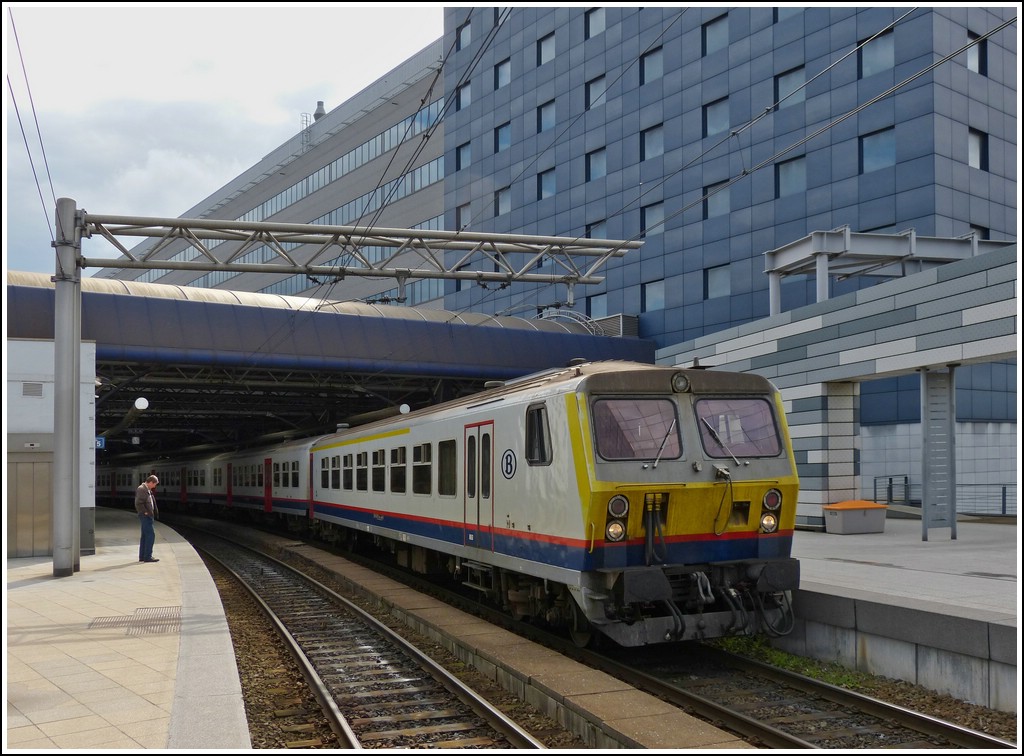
(146, 110)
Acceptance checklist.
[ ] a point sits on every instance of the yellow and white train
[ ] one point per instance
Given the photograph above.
(646, 504)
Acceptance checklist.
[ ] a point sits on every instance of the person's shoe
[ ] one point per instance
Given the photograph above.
(150, 560)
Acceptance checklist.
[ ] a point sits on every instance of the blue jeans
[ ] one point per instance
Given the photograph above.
(147, 539)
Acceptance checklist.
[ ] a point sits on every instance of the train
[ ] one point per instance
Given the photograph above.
(616, 501)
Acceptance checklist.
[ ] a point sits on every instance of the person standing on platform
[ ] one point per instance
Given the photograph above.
(145, 505)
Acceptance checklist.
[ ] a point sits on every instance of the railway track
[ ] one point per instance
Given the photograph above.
(778, 709)
(377, 690)
(768, 707)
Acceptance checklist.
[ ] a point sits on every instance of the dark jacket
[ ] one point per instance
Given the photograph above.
(145, 501)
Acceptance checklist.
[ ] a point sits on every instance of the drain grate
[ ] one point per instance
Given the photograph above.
(148, 620)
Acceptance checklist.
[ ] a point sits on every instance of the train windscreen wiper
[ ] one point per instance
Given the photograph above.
(719, 441)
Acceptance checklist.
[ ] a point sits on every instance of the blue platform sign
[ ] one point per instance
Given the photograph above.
(101, 442)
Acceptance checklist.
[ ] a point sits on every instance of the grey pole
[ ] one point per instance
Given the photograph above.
(67, 344)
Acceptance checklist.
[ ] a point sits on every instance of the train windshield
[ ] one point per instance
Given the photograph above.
(737, 427)
(636, 429)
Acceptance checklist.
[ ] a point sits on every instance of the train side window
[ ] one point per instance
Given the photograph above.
(398, 470)
(295, 474)
(202, 478)
(471, 467)
(346, 472)
(446, 468)
(379, 469)
(362, 461)
(485, 466)
(336, 471)
(325, 473)
(259, 475)
(538, 436)
(421, 468)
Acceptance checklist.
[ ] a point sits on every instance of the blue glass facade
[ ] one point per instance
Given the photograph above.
(716, 134)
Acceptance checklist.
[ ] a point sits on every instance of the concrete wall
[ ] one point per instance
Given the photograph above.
(970, 659)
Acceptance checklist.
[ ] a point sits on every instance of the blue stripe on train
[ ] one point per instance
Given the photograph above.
(573, 555)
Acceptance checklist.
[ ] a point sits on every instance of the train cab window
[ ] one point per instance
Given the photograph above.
(325, 473)
(743, 427)
(362, 471)
(421, 468)
(538, 436)
(446, 468)
(379, 469)
(295, 474)
(335, 471)
(398, 470)
(636, 429)
(346, 472)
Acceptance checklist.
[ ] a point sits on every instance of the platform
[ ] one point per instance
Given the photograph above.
(138, 656)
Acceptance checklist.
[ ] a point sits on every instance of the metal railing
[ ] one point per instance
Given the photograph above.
(999, 499)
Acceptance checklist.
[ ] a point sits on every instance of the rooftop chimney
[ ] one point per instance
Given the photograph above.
(319, 112)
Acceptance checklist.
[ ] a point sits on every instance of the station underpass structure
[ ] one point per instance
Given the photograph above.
(959, 309)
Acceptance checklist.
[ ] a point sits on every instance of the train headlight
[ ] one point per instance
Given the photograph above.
(618, 506)
(615, 531)
(769, 523)
(772, 499)
(680, 383)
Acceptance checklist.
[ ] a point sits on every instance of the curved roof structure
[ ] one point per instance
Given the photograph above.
(313, 363)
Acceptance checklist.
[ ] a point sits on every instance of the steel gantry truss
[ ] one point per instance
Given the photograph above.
(513, 257)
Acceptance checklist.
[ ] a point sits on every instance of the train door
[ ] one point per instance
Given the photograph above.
(183, 488)
(268, 491)
(229, 499)
(478, 466)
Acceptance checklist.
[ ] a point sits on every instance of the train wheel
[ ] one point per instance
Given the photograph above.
(580, 630)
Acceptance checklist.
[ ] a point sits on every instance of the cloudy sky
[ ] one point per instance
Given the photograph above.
(133, 110)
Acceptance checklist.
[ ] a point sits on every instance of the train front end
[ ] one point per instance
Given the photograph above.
(689, 491)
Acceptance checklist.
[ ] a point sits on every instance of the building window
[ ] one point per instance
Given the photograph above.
(977, 55)
(502, 201)
(463, 156)
(652, 142)
(462, 217)
(789, 87)
(597, 306)
(597, 166)
(502, 137)
(595, 93)
(503, 73)
(714, 35)
(716, 200)
(593, 22)
(877, 150)
(652, 296)
(546, 184)
(462, 97)
(463, 36)
(877, 55)
(717, 282)
(790, 177)
(977, 149)
(597, 230)
(652, 219)
(651, 66)
(546, 49)
(716, 117)
(546, 116)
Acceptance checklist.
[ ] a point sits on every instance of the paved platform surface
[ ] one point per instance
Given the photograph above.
(124, 655)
